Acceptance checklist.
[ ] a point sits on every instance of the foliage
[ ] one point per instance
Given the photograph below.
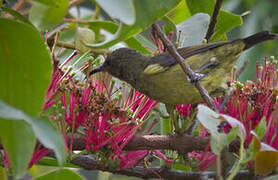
(48, 97)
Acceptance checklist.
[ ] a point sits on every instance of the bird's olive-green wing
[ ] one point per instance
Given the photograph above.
(164, 61)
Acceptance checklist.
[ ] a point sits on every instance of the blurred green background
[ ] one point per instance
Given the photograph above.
(260, 15)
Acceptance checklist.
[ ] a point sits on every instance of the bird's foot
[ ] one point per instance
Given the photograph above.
(197, 77)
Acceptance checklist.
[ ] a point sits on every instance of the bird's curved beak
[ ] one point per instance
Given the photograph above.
(97, 69)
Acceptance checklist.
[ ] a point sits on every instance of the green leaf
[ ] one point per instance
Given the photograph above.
(47, 161)
(50, 137)
(82, 36)
(266, 161)
(260, 129)
(19, 141)
(146, 13)
(44, 130)
(221, 140)
(123, 10)
(111, 27)
(222, 26)
(254, 147)
(170, 25)
(180, 13)
(232, 134)
(45, 17)
(61, 174)
(16, 15)
(135, 44)
(3, 175)
(209, 119)
(193, 30)
(235, 123)
(25, 66)
(145, 42)
(51, 3)
(218, 142)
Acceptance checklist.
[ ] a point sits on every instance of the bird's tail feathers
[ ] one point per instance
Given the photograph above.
(258, 38)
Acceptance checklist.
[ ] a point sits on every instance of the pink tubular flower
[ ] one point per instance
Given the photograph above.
(38, 154)
(250, 103)
(184, 109)
(108, 118)
(254, 101)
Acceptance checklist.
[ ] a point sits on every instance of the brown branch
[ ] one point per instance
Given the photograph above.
(185, 66)
(90, 163)
(182, 143)
(213, 19)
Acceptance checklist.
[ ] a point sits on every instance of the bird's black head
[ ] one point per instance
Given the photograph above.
(124, 63)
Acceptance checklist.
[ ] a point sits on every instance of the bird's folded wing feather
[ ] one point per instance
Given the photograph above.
(164, 61)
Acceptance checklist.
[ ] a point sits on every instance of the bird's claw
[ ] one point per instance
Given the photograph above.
(196, 78)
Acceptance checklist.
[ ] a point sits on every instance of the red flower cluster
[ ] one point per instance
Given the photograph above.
(108, 118)
(250, 103)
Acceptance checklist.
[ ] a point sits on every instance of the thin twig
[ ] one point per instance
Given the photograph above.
(90, 163)
(17, 6)
(75, 2)
(241, 69)
(96, 13)
(80, 21)
(65, 44)
(54, 44)
(185, 66)
(213, 20)
(218, 167)
(71, 46)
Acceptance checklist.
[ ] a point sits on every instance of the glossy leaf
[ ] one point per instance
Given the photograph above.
(45, 17)
(193, 30)
(111, 27)
(170, 26)
(50, 137)
(123, 10)
(47, 161)
(135, 44)
(208, 118)
(180, 13)
(47, 134)
(235, 123)
(265, 162)
(25, 66)
(17, 15)
(60, 174)
(19, 140)
(82, 36)
(260, 129)
(197, 6)
(52, 3)
(146, 13)
(211, 121)
(221, 140)
(254, 147)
